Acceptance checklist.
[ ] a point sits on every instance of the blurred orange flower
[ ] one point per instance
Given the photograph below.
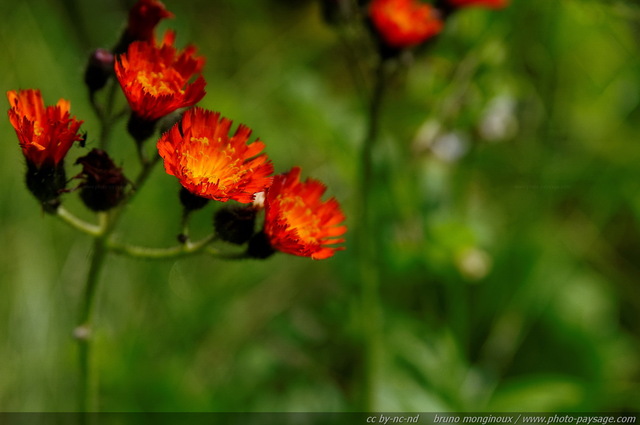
(297, 221)
(209, 163)
(404, 23)
(143, 18)
(45, 134)
(156, 78)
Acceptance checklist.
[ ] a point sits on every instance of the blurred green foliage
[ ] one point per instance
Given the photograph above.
(507, 197)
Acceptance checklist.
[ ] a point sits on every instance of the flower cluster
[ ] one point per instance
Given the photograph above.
(158, 80)
(211, 164)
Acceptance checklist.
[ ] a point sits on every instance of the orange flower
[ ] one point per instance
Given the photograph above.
(297, 221)
(404, 23)
(45, 134)
(143, 18)
(493, 4)
(155, 78)
(209, 163)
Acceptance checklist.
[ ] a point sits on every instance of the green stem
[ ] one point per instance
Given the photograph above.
(147, 168)
(107, 119)
(188, 248)
(370, 310)
(371, 136)
(83, 331)
(78, 223)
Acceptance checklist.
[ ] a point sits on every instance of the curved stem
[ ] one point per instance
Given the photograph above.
(78, 223)
(188, 248)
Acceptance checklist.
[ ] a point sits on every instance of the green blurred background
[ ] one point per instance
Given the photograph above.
(508, 220)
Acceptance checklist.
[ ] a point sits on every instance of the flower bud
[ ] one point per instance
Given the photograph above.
(140, 128)
(46, 183)
(235, 224)
(190, 201)
(259, 247)
(99, 69)
(144, 16)
(104, 183)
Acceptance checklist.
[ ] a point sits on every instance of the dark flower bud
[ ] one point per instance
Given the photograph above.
(191, 202)
(235, 224)
(140, 128)
(46, 183)
(259, 247)
(104, 183)
(99, 69)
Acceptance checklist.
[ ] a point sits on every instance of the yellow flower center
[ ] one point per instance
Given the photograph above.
(211, 166)
(165, 82)
(300, 217)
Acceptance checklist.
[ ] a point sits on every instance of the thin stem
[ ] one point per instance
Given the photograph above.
(78, 224)
(147, 168)
(106, 117)
(100, 250)
(370, 311)
(354, 60)
(188, 248)
(83, 330)
(371, 136)
(142, 155)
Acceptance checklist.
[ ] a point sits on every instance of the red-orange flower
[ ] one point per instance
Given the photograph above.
(143, 18)
(156, 78)
(209, 163)
(404, 23)
(297, 221)
(45, 134)
(492, 4)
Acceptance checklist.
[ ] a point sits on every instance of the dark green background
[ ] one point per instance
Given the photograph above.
(509, 276)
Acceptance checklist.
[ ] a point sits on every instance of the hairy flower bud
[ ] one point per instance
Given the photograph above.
(260, 247)
(190, 201)
(99, 69)
(104, 183)
(235, 224)
(46, 183)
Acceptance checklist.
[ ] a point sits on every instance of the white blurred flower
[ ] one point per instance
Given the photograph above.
(499, 121)
(474, 263)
